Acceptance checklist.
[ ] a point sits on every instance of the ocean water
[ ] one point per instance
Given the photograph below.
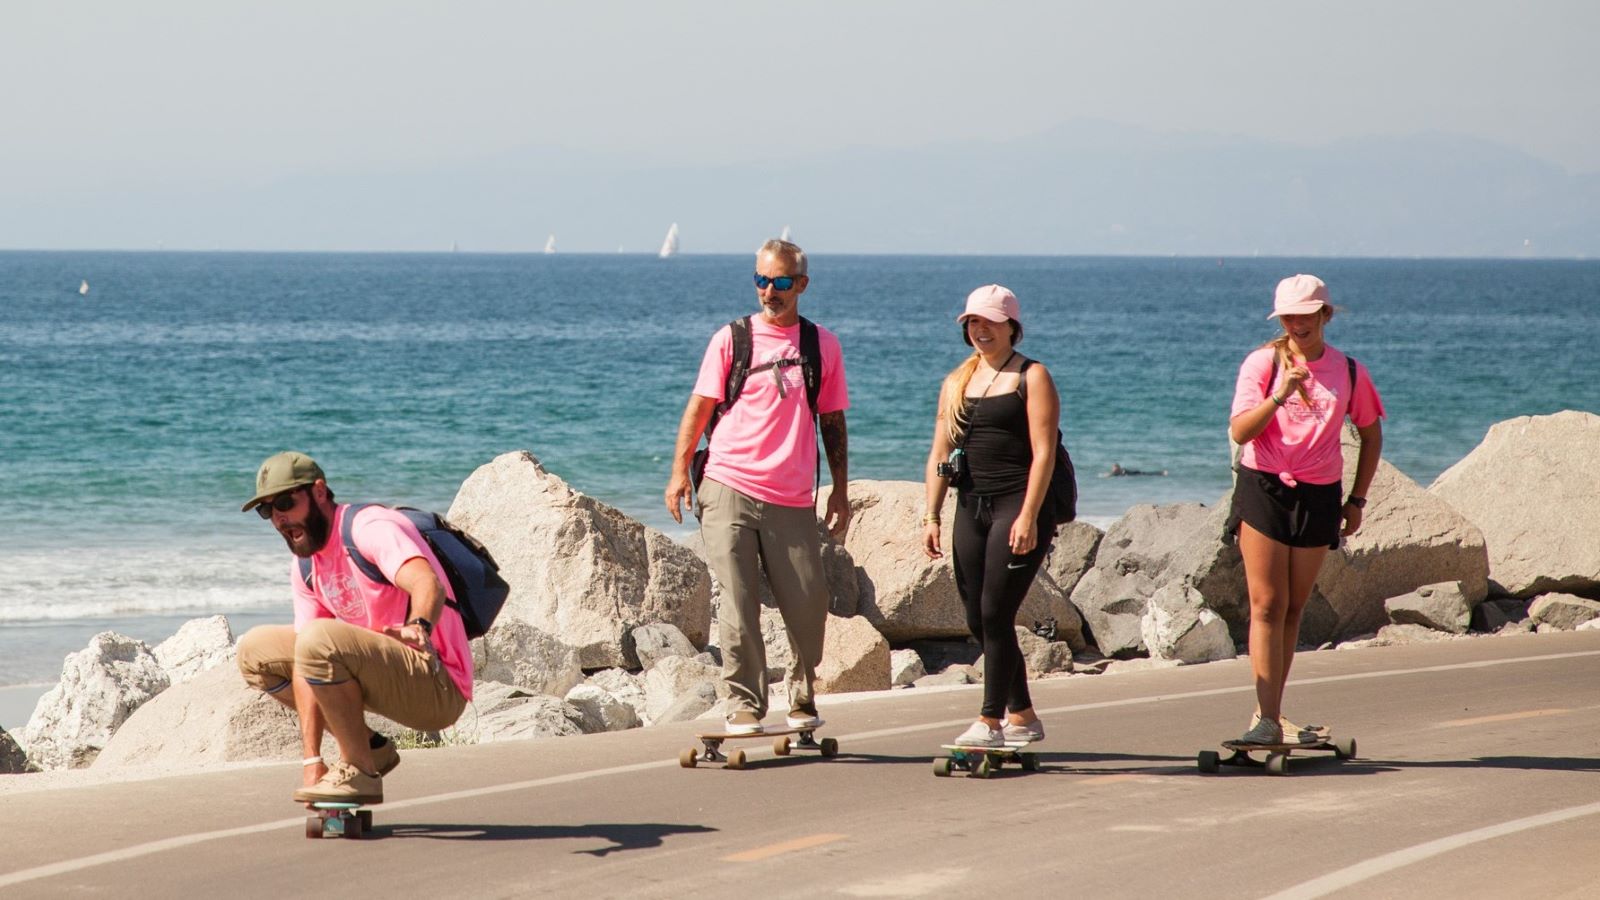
(132, 419)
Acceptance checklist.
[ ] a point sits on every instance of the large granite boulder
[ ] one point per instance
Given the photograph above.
(624, 687)
(198, 645)
(1443, 607)
(1408, 538)
(1042, 657)
(12, 760)
(673, 677)
(100, 688)
(907, 596)
(579, 569)
(905, 667)
(508, 713)
(1563, 612)
(855, 657)
(1073, 554)
(1532, 487)
(518, 653)
(601, 710)
(213, 717)
(1130, 563)
(659, 639)
(1178, 625)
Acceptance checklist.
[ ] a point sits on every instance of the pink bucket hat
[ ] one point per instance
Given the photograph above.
(1298, 295)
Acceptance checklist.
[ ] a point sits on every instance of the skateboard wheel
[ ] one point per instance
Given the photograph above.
(353, 827)
(736, 759)
(1209, 761)
(1345, 748)
(984, 768)
(313, 826)
(1277, 763)
(829, 747)
(941, 767)
(1030, 762)
(780, 746)
(688, 758)
(366, 819)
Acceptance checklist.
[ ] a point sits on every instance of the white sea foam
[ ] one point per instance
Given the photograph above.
(121, 580)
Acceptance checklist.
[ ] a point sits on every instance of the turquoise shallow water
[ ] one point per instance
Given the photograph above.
(132, 419)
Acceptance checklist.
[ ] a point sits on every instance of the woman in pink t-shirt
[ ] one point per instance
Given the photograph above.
(1289, 407)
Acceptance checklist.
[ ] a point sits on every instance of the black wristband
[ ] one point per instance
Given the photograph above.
(1357, 502)
(427, 627)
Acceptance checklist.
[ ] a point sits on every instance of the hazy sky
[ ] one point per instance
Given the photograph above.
(110, 96)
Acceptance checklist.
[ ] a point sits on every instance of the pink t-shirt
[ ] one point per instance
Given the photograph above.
(389, 541)
(1301, 442)
(765, 447)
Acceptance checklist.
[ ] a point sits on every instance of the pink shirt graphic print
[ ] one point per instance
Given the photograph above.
(342, 592)
(1301, 440)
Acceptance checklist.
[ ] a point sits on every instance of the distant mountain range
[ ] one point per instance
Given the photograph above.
(1082, 188)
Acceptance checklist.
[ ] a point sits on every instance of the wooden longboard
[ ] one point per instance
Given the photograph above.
(711, 741)
(1277, 755)
(329, 819)
(983, 762)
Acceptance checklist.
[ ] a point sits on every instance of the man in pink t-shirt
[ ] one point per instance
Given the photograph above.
(398, 648)
(756, 504)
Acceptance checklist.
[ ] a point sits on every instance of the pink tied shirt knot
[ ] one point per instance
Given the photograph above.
(1287, 479)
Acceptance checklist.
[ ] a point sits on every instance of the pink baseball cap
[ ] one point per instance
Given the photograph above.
(992, 302)
(1298, 295)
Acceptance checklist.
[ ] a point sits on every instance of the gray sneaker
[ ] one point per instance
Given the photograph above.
(1033, 731)
(979, 734)
(744, 722)
(1305, 734)
(1264, 731)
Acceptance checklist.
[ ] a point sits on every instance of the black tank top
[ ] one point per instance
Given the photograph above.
(998, 450)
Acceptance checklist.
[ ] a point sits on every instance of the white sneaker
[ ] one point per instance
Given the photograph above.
(979, 734)
(744, 722)
(1033, 731)
(802, 718)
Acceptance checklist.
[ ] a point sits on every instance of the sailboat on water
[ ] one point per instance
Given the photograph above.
(83, 289)
(669, 247)
(550, 245)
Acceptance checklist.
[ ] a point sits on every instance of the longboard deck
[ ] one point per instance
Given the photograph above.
(711, 741)
(1277, 755)
(764, 733)
(983, 762)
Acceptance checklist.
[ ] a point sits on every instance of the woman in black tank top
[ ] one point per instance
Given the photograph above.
(995, 440)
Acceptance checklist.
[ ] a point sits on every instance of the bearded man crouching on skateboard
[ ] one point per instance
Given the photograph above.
(396, 649)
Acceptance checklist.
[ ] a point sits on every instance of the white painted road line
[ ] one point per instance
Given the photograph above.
(173, 843)
(1343, 878)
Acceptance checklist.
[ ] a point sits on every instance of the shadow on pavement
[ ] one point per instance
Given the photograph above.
(623, 836)
(1530, 763)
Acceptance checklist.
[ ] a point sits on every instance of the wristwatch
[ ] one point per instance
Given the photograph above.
(1357, 502)
(427, 627)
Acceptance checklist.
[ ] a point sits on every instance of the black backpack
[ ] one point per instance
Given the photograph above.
(810, 364)
(1061, 500)
(474, 577)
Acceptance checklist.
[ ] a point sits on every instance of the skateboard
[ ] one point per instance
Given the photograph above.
(1277, 760)
(781, 745)
(330, 819)
(982, 762)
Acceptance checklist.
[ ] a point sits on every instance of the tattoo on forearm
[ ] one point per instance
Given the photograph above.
(836, 441)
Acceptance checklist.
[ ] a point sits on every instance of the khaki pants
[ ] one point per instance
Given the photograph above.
(396, 681)
(742, 537)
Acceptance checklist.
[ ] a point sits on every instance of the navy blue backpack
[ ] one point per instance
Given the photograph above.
(474, 578)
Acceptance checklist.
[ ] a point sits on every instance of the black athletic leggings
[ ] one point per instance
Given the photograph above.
(993, 584)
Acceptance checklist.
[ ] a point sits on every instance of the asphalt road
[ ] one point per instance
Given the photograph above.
(1477, 775)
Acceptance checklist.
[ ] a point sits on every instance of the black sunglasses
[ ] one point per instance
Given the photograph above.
(282, 503)
(782, 282)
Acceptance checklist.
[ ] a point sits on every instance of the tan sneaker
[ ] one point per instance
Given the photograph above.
(744, 722)
(344, 783)
(1305, 734)
(385, 758)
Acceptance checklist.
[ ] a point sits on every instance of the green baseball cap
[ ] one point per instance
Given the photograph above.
(283, 472)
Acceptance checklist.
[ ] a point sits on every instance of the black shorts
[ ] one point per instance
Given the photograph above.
(1306, 515)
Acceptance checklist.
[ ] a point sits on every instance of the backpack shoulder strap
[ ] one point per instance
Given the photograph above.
(811, 361)
(1350, 363)
(1022, 379)
(733, 385)
(347, 537)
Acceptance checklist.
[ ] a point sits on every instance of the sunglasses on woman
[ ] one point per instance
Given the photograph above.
(281, 503)
(782, 282)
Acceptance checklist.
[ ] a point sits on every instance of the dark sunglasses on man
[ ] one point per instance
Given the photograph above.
(282, 503)
(782, 282)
